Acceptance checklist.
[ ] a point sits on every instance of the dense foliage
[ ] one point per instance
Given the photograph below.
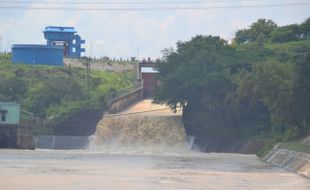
(256, 86)
(55, 93)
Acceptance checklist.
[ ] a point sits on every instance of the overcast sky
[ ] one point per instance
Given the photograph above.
(118, 33)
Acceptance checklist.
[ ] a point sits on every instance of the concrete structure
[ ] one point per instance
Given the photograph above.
(61, 42)
(9, 113)
(293, 161)
(37, 54)
(65, 37)
(13, 132)
(121, 103)
(148, 73)
(61, 142)
(9, 120)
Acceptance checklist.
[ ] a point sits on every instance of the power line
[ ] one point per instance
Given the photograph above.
(159, 8)
(125, 3)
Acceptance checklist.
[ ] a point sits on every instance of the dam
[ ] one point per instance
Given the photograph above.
(159, 159)
(144, 125)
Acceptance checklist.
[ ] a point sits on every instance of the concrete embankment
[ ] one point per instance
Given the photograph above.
(61, 142)
(290, 160)
(228, 145)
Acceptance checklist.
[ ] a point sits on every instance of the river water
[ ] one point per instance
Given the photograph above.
(97, 170)
(146, 151)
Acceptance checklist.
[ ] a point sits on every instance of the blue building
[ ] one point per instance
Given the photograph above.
(61, 42)
(37, 54)
(65, 37)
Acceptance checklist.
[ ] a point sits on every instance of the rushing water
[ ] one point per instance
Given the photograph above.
(140, 131)
(92, 170)
(146, 151)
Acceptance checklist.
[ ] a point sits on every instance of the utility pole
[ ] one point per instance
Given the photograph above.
(91, 50)
(1, 44)
(8, 46)
(138, 68)
(86, 62)
(88, 72)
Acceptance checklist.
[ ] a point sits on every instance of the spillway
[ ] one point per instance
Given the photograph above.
(140, 130)
(145, 125)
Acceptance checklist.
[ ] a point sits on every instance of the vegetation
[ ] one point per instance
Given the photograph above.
(53, 94)
(258, 85)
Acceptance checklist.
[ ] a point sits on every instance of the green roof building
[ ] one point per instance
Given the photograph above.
(9, 113)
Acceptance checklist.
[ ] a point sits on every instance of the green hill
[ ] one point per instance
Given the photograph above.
(54, 94)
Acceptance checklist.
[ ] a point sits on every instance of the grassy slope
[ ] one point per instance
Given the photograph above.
(287, 52)
(93, 94)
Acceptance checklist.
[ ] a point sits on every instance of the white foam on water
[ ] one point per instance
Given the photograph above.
(141, 134)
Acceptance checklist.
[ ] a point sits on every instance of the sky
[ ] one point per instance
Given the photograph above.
(131, 28)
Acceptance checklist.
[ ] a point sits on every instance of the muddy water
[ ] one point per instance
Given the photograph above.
(140, 131)
(80, 170)
(156, 159)
(144, 125)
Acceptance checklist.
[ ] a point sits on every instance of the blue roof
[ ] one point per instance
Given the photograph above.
(35, 46)
(59, 29)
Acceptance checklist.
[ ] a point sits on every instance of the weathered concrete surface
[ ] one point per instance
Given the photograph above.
(123, 102)
(8, 136)
(25, 138)
(226, 145)
(61, 142)
(290, 160)
(147, 107)
(82, 123)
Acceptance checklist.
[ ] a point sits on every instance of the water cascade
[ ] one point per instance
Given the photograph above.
(147, 131)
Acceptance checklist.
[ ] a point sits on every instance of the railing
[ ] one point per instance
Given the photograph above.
(122, 102)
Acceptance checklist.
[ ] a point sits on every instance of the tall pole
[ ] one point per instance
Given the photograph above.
(0, 44)
(88, 72)
(138, 67)
(91, 50)
(8, 46)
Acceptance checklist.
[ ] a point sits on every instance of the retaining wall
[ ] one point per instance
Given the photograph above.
(120, 103)
(61, 142)
(290, 160)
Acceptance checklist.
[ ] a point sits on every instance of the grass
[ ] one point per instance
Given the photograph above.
(296, 146)
(28, 84)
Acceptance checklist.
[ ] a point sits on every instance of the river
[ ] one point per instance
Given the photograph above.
(97, 170)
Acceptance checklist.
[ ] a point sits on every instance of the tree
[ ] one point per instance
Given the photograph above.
(302, 92)
(270, 83)
(286, 33)
(12, 89)
(305, 29)
(192, 69)
(52, 92)
(261, 27)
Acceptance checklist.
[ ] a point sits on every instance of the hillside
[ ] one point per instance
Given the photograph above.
(55, 94)
(256, 87)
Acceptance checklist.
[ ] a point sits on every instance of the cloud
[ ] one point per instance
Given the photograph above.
(118, 34)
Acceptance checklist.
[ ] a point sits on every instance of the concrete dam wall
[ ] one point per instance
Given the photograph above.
(144, 125)
(61, 142)
(290, 160)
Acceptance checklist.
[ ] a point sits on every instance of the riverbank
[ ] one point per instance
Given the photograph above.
(298, 162)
